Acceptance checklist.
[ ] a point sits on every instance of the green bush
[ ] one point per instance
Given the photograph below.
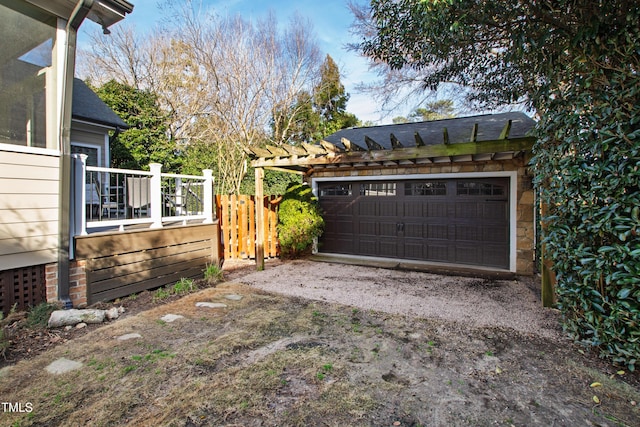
(299, 221)
(589, 176)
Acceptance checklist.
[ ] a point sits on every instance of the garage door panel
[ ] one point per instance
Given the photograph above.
(467, 210)
(367, 228)
(437, 231)
(415, 209)
(491, 253)
(414, 230)
(337, 226)
(495, 234)
(414, 249)
(495, 211)
(342, 244)
(467, 254)
(436, 251)
(468, 233)
(387, 229)
(366, 207)
(389, 248)
(437, 209)
(388, 208)
(368, 246)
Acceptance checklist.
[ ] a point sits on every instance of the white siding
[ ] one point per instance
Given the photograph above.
(28, 209)
(88, 135)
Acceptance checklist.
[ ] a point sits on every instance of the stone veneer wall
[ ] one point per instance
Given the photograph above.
(525, 217)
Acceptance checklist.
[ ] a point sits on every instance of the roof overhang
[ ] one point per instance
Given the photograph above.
(103, 12)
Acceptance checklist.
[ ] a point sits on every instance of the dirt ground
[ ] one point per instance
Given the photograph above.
(320, 344)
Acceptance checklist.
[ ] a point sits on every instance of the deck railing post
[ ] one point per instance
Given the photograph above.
(79, 194)
(180, 200)
(156, 195)
(208, 195)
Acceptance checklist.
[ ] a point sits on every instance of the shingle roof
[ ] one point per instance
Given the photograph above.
(87, 106)
(431, 132)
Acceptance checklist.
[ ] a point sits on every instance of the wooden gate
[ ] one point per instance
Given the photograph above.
(236, 215)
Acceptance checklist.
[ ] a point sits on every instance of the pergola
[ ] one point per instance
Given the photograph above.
(410, 145)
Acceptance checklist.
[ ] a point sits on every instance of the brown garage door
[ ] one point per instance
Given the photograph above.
(461, 221)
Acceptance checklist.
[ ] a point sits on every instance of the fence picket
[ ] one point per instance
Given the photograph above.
(236, 215)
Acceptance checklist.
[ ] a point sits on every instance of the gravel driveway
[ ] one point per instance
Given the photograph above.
(471, 301)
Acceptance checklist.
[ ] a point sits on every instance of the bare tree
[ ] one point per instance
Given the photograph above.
(224, 80)
(396, 88)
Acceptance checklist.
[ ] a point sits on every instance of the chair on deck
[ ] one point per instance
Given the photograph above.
(93, 201)
(138, 197)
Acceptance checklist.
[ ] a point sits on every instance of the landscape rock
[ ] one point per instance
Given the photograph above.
(81, 325)
(171, 317)
(63, 365)
(74, 316)
(113, 313)
(233, 297)
(211, 304)
(129, 337)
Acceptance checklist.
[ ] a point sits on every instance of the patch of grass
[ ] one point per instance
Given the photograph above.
(4, 342)
(184, 286)
(38, 316)
(129, 368)
(213, 274)
(145, 360)
(161, 294)
(376, 349)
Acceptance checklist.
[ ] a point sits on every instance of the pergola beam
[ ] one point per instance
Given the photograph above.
(505, 131)
(406, 153)
(371, 144)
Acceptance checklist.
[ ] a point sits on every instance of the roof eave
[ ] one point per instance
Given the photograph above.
(101, 123)
(103, 12)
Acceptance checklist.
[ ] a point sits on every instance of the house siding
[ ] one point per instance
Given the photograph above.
(88, 137)
(28, 208)
(92, 136)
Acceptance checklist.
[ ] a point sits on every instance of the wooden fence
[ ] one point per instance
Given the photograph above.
(236, 215)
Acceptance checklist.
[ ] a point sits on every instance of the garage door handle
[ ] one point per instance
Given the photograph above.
(400, 226)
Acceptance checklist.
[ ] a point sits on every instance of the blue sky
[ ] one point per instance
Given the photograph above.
(331, 20)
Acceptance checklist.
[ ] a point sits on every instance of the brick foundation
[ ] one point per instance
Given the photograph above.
(77, 283)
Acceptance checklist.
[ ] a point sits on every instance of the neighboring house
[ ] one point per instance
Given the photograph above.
(91, 122)
(36, 131)
(452, 194)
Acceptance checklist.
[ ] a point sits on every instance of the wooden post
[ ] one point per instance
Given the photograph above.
(259, 219)
(548, 291)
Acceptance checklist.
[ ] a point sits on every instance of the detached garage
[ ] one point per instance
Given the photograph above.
(452, 194)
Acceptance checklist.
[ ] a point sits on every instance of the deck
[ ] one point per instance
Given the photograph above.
(140, 230)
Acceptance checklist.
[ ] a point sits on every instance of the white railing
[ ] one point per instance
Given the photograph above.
(108, 198)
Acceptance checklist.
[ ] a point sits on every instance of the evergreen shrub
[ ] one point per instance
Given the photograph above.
(299, 221)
